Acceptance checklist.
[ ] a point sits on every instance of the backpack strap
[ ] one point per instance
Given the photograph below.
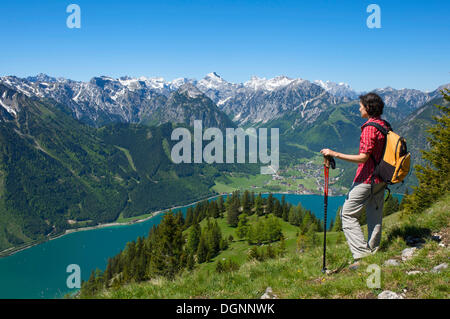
(383, 131)
(379, 127)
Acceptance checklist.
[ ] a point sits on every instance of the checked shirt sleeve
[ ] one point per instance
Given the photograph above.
(367, 140)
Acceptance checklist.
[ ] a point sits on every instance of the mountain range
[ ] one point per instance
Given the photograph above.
(89, 152)
(104, 99)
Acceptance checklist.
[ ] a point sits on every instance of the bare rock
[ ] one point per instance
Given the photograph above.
(269, 294)
(392, 262)
(408, 253)
(439, 268)
(387, 294)
(414, 272)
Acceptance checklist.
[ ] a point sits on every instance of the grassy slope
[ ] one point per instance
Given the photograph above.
(298, 275)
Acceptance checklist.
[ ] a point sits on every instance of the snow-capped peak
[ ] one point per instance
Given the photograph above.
(257, 83)
(213, 75)
(212, 81)
(340, 89)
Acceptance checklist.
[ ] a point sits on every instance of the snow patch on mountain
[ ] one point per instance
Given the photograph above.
(340, 89)
(257, 83)
(190, 90)
(8, 108)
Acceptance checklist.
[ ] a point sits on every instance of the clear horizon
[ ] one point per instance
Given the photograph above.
(319, 40)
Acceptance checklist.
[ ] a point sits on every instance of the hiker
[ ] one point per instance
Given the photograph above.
(367, 189)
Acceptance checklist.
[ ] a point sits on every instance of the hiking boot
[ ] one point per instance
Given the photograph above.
(355, 265)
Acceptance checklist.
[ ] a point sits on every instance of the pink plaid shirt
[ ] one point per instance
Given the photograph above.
(371, 142)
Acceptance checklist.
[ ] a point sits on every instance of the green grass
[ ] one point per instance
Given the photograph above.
(264, 183)
(298, 275)
(121, 219)
(237, 250)
(241, 182)
(128, 155)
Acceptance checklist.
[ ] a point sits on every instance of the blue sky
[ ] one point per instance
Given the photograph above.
(326, 40)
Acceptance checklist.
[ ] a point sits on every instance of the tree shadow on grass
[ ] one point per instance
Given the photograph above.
(411, 234)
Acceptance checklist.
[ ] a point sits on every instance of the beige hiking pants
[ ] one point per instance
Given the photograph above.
(360, 195)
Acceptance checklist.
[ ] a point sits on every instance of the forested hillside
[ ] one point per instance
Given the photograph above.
(57, 173)
(217, 235)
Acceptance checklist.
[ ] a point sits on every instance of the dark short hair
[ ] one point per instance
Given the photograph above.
(373, 103)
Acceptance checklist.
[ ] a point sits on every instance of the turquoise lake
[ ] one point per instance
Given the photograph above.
(40, 271)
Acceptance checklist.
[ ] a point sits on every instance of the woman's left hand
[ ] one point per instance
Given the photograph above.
(328, 152)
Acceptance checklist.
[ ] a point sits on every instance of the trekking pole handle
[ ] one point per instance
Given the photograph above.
(329, 161)
(326, 161)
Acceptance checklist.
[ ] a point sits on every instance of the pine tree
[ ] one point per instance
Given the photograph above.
(320, 225)
(305, 223)
(311, 237)
(242, 228)
(269, 206)
(216, 236)
(165, 259)
(270, 252)
(338, 222)
(189, 216)
(194, 238)
(108, 274)
(286, 210)
(221, 205)
(179, 218)
(259, 205)
(330, 228)
(252, 253)
(294, 217)
(219, 267)
(252, 199)
(272, 229)
(190, 263)
(246, 203)
(433, 177)
(88, 287)
(215, 209)
(277, 209)
(405, 195)
(233, 211)
(202, 250)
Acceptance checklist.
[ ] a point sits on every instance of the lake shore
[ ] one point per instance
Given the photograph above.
(13, 250)
(137, 219)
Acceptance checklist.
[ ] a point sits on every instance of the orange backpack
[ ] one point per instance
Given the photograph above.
(395, 163)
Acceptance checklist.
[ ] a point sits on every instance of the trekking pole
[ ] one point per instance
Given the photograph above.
(328, 160)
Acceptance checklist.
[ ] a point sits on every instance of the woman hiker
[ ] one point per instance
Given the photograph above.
(362, 192)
